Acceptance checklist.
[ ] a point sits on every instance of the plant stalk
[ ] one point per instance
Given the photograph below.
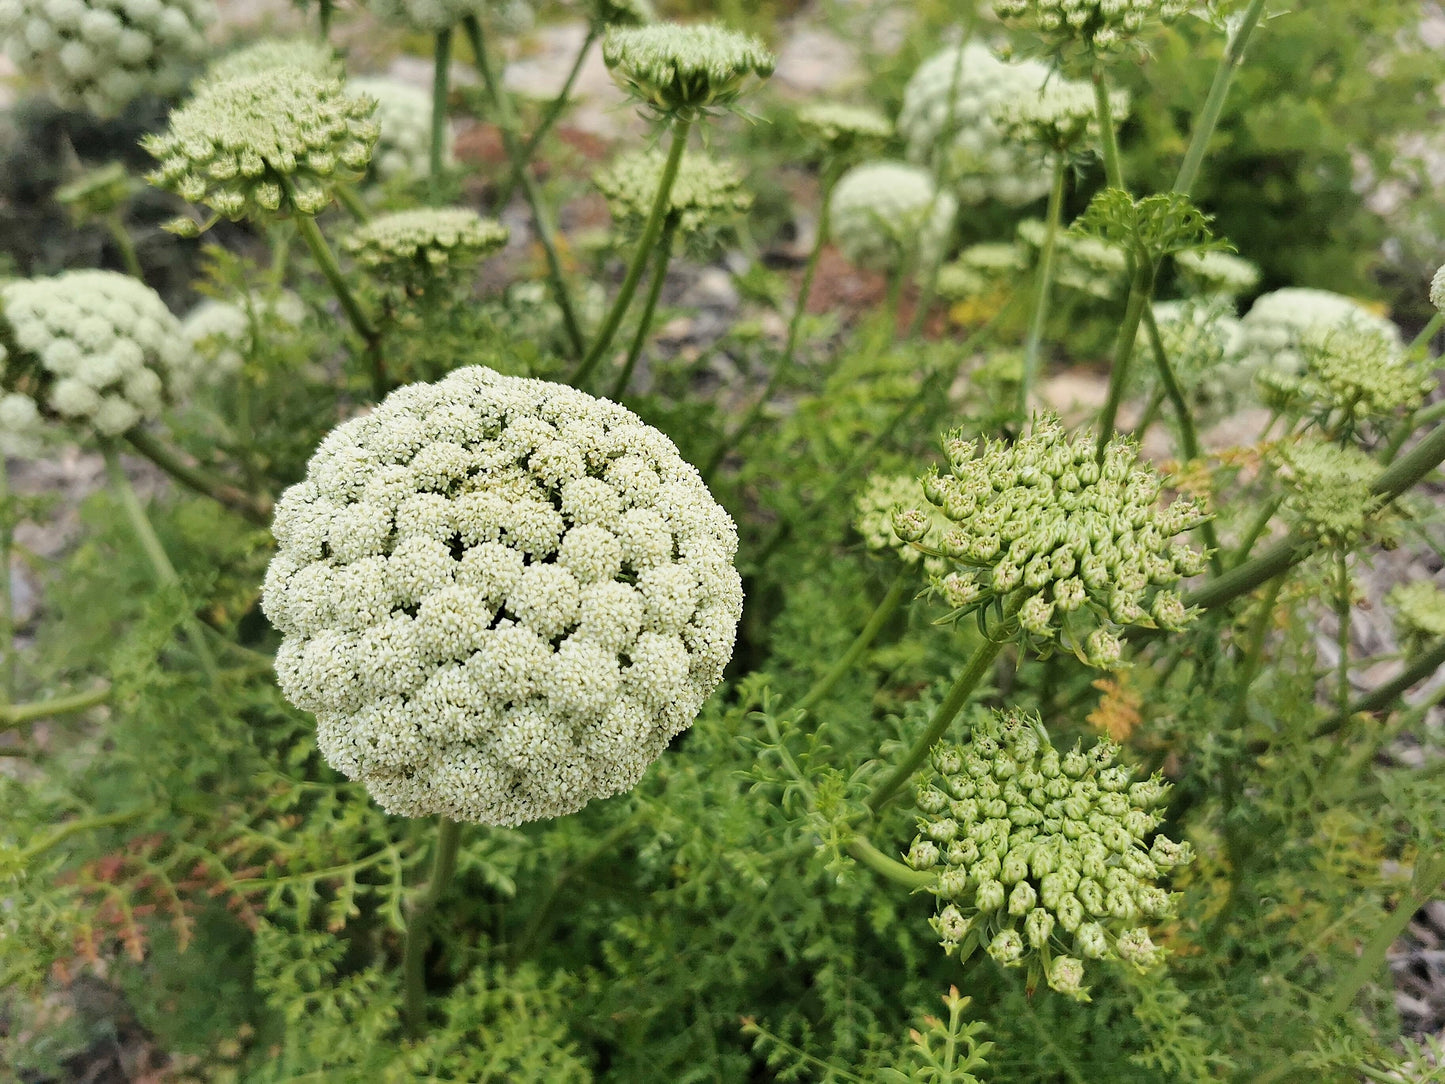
(1108, 141)
(1386, 694)
(1052, 218)
(1140, 287)
(418, 925)
(253, 507)
(14, 715)
(891, 868)
(649, 305)
(441, 72)
(897, 592)
(125, 245)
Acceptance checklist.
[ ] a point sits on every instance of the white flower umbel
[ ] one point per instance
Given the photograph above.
(948, 119)
(1275, 327)
(403, 113)
(881, 212)
(501, 597)
(99, 55)
(221, 332)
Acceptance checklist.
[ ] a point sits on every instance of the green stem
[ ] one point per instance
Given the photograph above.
(1254, 653)
(790, 348)
(9, 661)
(1108, 141)
(1213, 106)
(541, 221)
(1382, 697)
(14, 715)
(649, 304)
(253, 507)
(891, 868)
(1425, 416)
(549, 118)
(957, 698)
(418, 925)
(1052, 218)
(897, 592)
(1257, 528)
(351, 204)
(1140, 287)
(75, 827)
(1428, 332)
(327, 7)
(650, 233)
(129, 258)
(441, 72)
(1342, 632)
(165, 572)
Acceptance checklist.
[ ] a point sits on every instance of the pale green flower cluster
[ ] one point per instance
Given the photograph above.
(308, 54)
(623, 12)
(99, 55)
(1040, 858)
(409, 252)
(1437, 289)
(884, 495)
(429, 16)
(1202, 342)
(501, 597)
(882, 214)
(94, 348)
(979, 268)
(261, 144)
(1089, 265)
(222, 333)
(1076, 544)
(704, 193)
(841, 128)
(1213, 273)
(1419, 613)
(1328, 490)
(1277, 323)
(947, 120)
(22, 429)
(403, 113)
(1063, 116)
(1097, 25)
(1356, 373)
(684, 71)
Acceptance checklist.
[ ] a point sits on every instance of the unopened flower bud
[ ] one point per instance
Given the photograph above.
(1007, 948)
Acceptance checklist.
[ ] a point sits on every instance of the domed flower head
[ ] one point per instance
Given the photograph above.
(264, 144)
(501, 598)
(1328, 490)
(269, 54)
(684, 71)
(842, 129)
(1094, 26)
(1419, 614)
(94, 348)
(1216, 274)
(1076, 544)
(1275, 326)
(1062, 117)
(1352, 374)
(411, 252)
(100, 55)
(1041, 857)
(403, 113)
(428, 16)
(884, 214)
(706, 192)
(222, 333)
(1437, 289)
(947, 120)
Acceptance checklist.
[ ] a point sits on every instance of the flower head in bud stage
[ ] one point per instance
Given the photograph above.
(1097, 26)
(1078, 544)
(501, 597)
(222, 333)
(884, 495)
(403, 113)
(947, 120)
(1329, 490)
(265, 144)
(269, 54)
(842, 129)
(1089, 265)
(99, 55)
(410, 252)
(1355, 373)
(1062, 117)
(705, 193)
(684, 71)
(1046, 858)
(1419, 613)
(94, 348)
(1275, 326)
(1213, 273)
(884, 214)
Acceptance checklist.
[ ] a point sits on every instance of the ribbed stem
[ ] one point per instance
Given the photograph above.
(890, 868)
(649, 304)
(650, 233)
(897, 592)
(255, 508)
(1108, 141)
(418, 925)
(1140, 288)
(441, 71)
(13, 715)
(1052, 218)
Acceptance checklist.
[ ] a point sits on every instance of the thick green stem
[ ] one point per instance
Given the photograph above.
(541, 221)
(1213, 107)
(1428, 332)
(890, 868)
(327, 7)
(1052, 218)
(145, 534)
(129, 258)
(790, 348)
(1253, 660)
(418, 925)
(1140, 288)
(1257, 528)
(897, 592)
(649, 304)
(360, 322)
(650, 234)
(1108, 141)
(13, 715)
(956, 700)
(441, 71)
(1386, 694)
(252, 506)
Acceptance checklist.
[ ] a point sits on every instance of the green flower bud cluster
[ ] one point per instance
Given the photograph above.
(1077, 544)
(410, 252)
(979, 268)
(223, 332)
(501, 597)
(947, 121)
(1063, 116)
(264, 144)
(403, 113)
(1212, 273)
(842, 129)
(1419, 614)
(1437, 289)
(705, 193)
(886, 495)
(1354, 373)
(99, 55)
(1328, 490)
(684, 71)
(885, 214)
(1087, 264)
(268, 54)
(1202, 342)
(1098, 26)
(94, 348)
(1277, 323)
(1042, 859)
(427, 16)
